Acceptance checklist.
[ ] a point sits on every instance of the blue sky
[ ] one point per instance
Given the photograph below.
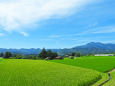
(56, 23)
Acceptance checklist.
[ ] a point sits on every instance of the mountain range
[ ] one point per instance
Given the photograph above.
(92, 47)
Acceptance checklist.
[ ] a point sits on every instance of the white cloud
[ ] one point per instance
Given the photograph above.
(55, 36)
(46, 39)
(91, 25)
(1, 34)
(24, 33)
(17, 13)
(106, 29)
(103, 29)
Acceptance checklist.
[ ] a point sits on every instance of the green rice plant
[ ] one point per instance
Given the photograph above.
(101, 64)
(20, 72)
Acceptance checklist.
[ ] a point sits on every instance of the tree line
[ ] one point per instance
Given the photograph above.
(42, 55)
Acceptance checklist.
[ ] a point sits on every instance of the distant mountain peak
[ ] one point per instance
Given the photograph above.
(94, 43)
(98, 45)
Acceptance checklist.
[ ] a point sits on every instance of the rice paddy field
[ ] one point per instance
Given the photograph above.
(101, 64)
(14, 72)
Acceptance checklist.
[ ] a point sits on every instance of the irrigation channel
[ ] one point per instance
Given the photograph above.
(109, 74)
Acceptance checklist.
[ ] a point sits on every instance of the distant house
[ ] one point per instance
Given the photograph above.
(104, 55)
(59, 57)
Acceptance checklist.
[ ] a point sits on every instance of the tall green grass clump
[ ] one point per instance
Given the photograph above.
(44, 73)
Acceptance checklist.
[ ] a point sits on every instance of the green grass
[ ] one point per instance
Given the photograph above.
(101, 64)
(104, 78)
(44, 73)
(112, 81)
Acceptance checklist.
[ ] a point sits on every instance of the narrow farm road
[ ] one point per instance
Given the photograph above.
(111, 71)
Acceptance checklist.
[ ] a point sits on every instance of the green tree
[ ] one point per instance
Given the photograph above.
(49, 53)
(54, 55)
(29, 57)
(19, 56)
(73, 54)
(89, 54)
(14, 55)
(77, 55)
(34, 57)
(1, 55)
(43, 54)
(8, 54)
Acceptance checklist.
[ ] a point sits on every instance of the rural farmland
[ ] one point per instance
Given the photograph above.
(57, 42)
(15, 72)
(84, 71)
